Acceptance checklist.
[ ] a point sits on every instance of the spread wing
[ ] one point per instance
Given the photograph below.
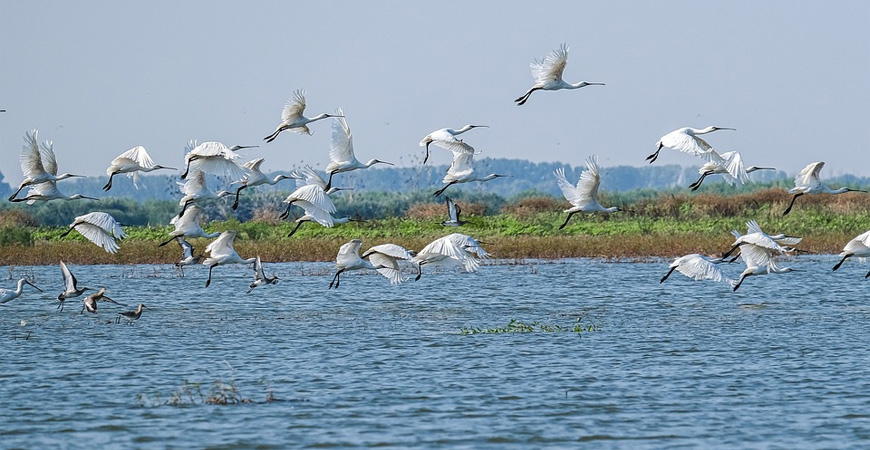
(341, 147)
(294, 108)
(551, 68)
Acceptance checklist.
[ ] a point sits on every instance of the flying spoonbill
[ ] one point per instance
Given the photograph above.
(38, 163)
(196, 190)
(461, 171)
(583, 196)
(454, 248)
(341, 154)
(221, 252)
(446, 138)
(859, 246)
(255, 177)
(214, 158)
(686, 140)
(759, 261)
(807, 182)
(697, 267)
(292, 118)
(382, 258)
(100, 228)
(187, 225)
(132, 162)
(729, 165)
(548, 74)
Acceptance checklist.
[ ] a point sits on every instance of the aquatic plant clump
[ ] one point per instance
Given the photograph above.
(518, 326)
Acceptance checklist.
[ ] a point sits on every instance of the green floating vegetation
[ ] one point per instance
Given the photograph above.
(518, 326)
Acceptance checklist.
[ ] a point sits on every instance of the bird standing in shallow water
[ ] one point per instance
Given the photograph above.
(548, 74)
(7, 295)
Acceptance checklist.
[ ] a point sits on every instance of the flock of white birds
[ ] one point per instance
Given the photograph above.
(758, 249)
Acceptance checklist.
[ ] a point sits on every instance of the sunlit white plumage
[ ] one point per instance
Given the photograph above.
(583, 196)
(47, 191)
(71, 288)
(255, 177)
(729, 165)
(221, 252)
(686, 140)
(697, 267)
(196, 190)
(260, 278)
(807, 182)
(38, 163)
(341, 156)
(759, 260)
(132, 162)
(214, 158)
(450, 249)
(782, 239)
(311, 196)
(7, 295)
(446, 138)
(187, 225)
(548, 74)
(858, 247)
(292, 117)
(100, 228)
(382, 258)
(462, 171)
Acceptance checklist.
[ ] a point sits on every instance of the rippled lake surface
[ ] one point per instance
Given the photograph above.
(781, 363)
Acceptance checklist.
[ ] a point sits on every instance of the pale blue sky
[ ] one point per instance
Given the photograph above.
(101, 77)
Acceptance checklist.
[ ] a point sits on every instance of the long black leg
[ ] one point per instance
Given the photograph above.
(170, 240)
(424, 159)
(868, 275)
(109, 184)
(16, 192)
(567, 219)
(286, 212)
(419, 270)
(67, 232)
(329, 182)
(668, 274)
(652, 158)
(787, 210)
(336, 279)
(694, 186)
(208, 281)
(842, 261)
(298, 224)
(739, 282)
(441, 191)
(238, 191)
(729, 252)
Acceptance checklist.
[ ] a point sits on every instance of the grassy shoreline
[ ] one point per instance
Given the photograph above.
(668, 226)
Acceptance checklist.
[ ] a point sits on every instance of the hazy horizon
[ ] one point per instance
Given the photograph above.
(102, 77)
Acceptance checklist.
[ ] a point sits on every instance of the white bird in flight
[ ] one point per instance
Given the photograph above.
(759, 260)
(221, 252)
(132, 162)
(686, 140)
(292, 118)
(260, 278)
(858, 247)
(807, 182)
(787, 242)
(583, 196)
(255, 177)
(548, 74)
(382, 258)
(454, 248)
(446, 138)
(730, 166)
(187, 225)
(196, 190)
(214, 158)
(341, 154)
(71, 288)
(697, 267)
(311, 193)
(100, 228)
(6, 295)
(38, 163)
(47, 191)
(461, 171)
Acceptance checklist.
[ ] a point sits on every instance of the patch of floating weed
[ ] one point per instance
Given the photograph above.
(518, 326)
